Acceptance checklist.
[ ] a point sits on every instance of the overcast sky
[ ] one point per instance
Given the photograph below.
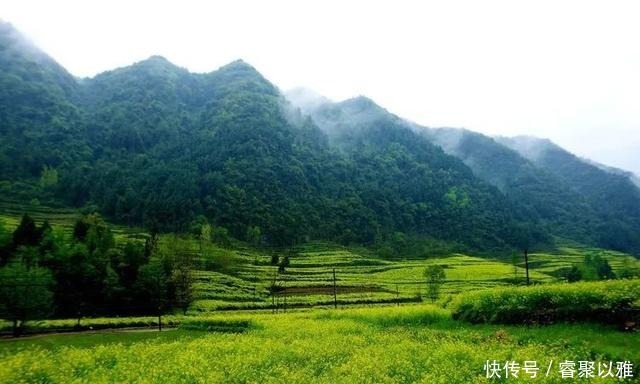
(565, 70)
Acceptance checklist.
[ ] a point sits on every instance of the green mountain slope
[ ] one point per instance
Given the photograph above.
(537, 195)
(613, 195)
(556, 193)
(39, 121)
(152, 144)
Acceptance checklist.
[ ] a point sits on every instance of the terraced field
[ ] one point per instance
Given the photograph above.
(363, 278)
(61, 219)
(243, 278)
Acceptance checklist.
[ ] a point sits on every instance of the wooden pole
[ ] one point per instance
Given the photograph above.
(335, 290)
(526, 263)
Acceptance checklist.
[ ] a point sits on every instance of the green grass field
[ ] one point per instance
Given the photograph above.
(387, 344)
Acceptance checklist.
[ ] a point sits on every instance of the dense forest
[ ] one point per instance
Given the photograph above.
(545, 187)
(156, 146)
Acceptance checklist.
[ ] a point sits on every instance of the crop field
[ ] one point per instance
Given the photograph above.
(241, 278)
(387, 344)
(364, 278)
(251, 323)
(61, 219)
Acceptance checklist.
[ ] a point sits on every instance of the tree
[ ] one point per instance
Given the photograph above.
(284, 263)
(627, 271)
(79, 276)
(253, 235)
(49, 177)
(596, 267)
(26, 233)
(435, 276)
(602, 268)
(573, 274)
(205, 233)
(80, 230)
(112, 289)
(182, 278)
(98, 236)
(5, 244)
(151, 285)
(220, 236)
(24, 294)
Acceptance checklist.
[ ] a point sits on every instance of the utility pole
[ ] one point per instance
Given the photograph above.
(526, 263)
(273, 292)
(397, 295)
(159, 302)
(335, 290)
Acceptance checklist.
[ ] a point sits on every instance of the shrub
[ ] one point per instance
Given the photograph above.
(611, 302)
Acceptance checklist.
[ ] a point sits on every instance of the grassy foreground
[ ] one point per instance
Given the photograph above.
(407, 344)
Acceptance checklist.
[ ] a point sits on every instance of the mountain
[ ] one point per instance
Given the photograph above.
(613, 195)
(37, 109)
(528, 173)
(617, 171)
(536, 194)
(439, 192)
(152, 144)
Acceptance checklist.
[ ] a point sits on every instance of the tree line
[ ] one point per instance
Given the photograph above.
(47, 273)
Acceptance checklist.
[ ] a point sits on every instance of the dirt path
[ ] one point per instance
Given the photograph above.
(87, 332)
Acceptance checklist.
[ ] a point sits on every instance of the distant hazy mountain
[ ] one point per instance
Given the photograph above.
(612, 194)
(537, 194)
(539, 190)
(630, 175)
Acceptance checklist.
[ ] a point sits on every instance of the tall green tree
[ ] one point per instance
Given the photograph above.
(25, 294)
(26, 233)
(436, 277)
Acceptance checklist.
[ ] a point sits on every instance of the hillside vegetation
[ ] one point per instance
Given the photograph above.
(152, 145)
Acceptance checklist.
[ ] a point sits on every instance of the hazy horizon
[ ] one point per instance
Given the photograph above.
(568, 72)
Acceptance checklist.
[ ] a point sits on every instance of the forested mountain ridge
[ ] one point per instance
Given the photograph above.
(613, 195)
(544, 185)
(37, 109)
(538, 195)
(154, 145)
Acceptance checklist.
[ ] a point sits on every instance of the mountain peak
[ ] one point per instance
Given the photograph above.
(156, 61)
(364, 106)
(238, 64)
(360, 101)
